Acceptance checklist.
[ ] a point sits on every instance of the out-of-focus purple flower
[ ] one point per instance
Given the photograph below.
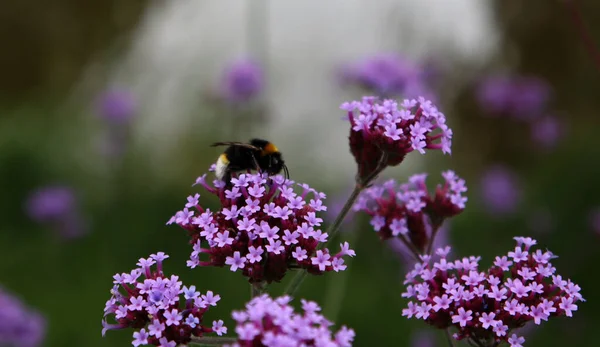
(386, 75)
(263, 228)
(530, 96)
(19, 325)
(116, 106)
(521, 287)
(423, 339)
(273, 322)
(58, 207)
(547, 131)
(383, 133)
(521, 97)
(494, 93)
(242, 81)
(166, 312)
(500, 189)
(408, 211)
(432, 70)
(51, 203)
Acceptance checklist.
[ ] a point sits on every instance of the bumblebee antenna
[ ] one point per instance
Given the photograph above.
(286, 171)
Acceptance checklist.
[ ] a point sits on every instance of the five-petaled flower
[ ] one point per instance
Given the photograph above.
(148, 300)
(383, 133)
(263, 229)
(409, 212)
(486, 306)
(273, 322)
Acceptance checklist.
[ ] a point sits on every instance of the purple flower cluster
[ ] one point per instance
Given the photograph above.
(383, 133)
(273, 322)
(520, 97)
(487, 306)
(148, 300)
(242, 81)
(408, 212)
(547, 131)
(500, 190)
(56, 205)
(386, 75)
(50, 203)
(19, 325)
(263, 228)
(523, 98)
(116, 106)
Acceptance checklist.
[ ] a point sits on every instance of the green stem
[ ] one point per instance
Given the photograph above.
(295, 283)
(256, 289)
(435, 226)
(337, 286)
(335, 227)
(331, 232)
(449, 338)
(475, 342)
(413, 250)
(213, 341)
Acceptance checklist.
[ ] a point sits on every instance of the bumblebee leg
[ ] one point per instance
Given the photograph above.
(287, 173)
(227, 179)
(256, 166)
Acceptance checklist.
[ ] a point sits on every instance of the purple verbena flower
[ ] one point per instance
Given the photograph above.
(408, 211)
(262, 232)
(386, 75)
(116, 106)
(520, 97)
(165, 311)
(383, 133)
(57, 206)
(242, 81)
(500, 189)
(547, 131)
(487, 306)
(51, 203)
(19, 325)
(273, 322)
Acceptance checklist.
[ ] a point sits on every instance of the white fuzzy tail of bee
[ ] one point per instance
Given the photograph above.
(221, 168)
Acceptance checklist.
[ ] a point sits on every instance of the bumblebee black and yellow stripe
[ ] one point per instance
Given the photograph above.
(269, 149)
(221, 168)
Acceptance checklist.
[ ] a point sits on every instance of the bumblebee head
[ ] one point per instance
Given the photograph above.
(273, 160)
(277, 164)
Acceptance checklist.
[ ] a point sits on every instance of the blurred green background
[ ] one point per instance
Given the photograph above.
(58, 57)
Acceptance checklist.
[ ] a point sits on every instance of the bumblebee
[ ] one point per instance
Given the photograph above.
(260, 155)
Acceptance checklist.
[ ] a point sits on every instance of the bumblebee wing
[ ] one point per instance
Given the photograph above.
(238, 144)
